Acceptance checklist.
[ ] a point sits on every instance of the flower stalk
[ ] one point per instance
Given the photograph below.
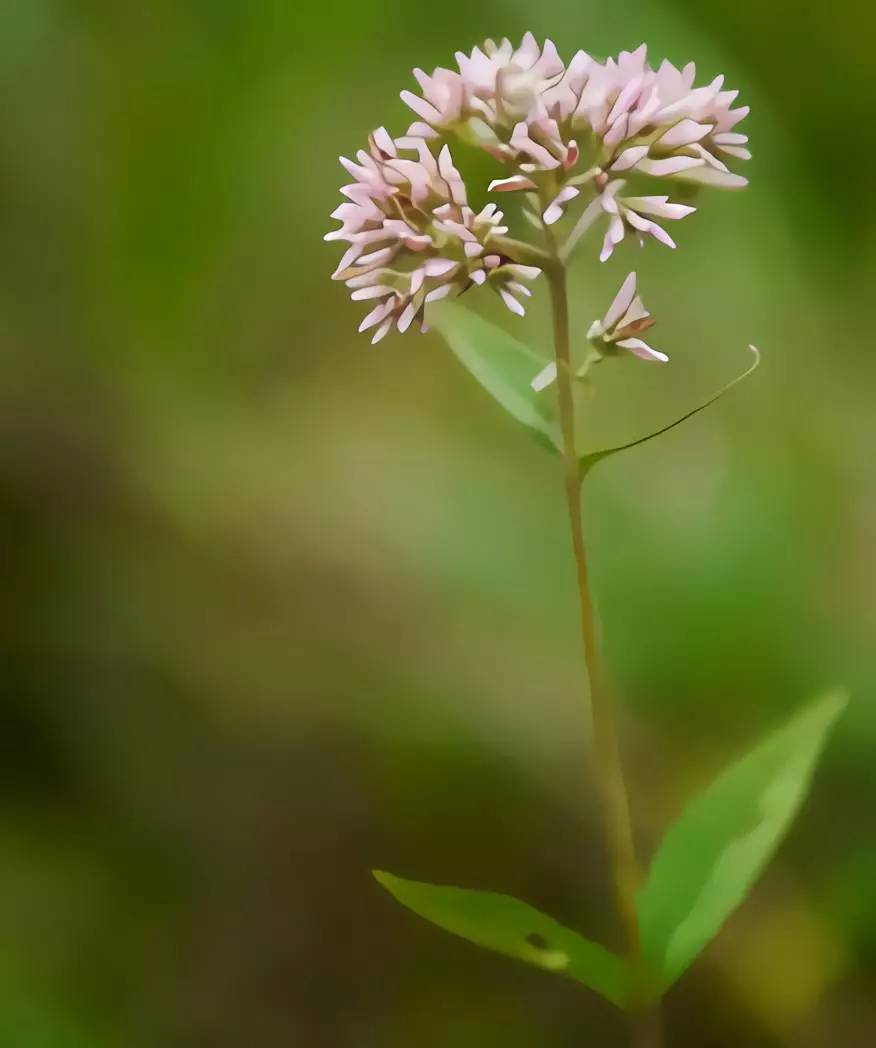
(608, 766)
(606, 750)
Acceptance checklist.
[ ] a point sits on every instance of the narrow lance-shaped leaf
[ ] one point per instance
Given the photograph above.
(590, 460)
(721, 843)
(502, 365)
(511, 927)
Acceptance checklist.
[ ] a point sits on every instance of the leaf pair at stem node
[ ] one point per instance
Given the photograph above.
(704, 868)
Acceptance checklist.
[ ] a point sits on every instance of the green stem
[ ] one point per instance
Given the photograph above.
(609, 774)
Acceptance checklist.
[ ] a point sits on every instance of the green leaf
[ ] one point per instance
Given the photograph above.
(511, 927)
(502, 365)
(589, 460)
(715, 851)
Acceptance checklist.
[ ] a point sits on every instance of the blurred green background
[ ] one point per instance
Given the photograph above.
(278, 607)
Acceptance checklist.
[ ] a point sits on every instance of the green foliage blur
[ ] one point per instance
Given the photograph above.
(279, 607)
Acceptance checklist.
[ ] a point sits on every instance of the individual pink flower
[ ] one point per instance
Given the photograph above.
(414, 239)
(637, 215)
(495, 87)
(507, 81)
(619, 329)
(444, 103)
(626, 319)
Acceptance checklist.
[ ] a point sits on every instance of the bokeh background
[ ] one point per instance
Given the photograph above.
(278, 607)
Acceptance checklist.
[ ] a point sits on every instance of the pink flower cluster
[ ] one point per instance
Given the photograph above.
(413, 238)
(562, 131)
(613, 119)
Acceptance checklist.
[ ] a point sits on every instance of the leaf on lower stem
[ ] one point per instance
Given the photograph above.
(590, 460)
(503, 366)
(513, 928)
(712, 855)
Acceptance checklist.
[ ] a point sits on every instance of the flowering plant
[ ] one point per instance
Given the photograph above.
(582, 143)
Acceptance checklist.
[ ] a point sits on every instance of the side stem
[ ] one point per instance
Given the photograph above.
(609, 775)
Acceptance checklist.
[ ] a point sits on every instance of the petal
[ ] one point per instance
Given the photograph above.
(645, 225)
(554, 211)
(642, 350)
(375, 291)
(730, 138)
(377, 314)
(629, 158)
(634, 315)
(708, 176)
(659, 207)
(376, 258)
(511, 302)
(407, 317)
(683, 134)
(613, 237)
(617, 132)
(437, 267)
(625, 99)
(349, 257)
(383, 141)
(621, 302)
(545, 377)
(439, 293)
(700, 151)
(671, 165)
(420, 106)
(510, 185)
(382, 331)
(418, 130)
(524, 272)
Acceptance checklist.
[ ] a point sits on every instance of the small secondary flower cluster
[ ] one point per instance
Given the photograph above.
(559, 130)
(619, 329)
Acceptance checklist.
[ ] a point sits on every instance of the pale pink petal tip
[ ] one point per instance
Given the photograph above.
(510, 185)
(545, 377)
(555, 210)
(512, 303)
(643, 350)
(622, 302)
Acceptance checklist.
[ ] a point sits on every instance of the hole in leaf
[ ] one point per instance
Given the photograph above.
(536, 940)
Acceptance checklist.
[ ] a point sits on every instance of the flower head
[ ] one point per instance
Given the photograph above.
(570, 136)
(413, 238)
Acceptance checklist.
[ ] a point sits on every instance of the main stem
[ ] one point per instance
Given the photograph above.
(606, 750)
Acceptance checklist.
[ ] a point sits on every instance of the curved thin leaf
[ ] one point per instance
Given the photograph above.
(511, 927)
(590, 460)
(712, 855)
